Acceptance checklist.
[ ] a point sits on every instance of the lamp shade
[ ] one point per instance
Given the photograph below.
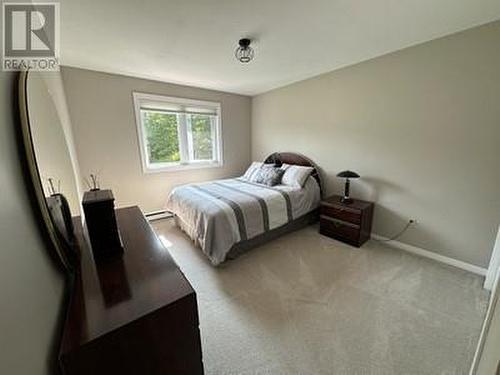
(348, 174)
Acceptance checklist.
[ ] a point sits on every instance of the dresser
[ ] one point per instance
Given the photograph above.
(350, 223)
(133, 314)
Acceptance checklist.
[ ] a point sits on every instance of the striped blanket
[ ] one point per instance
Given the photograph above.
(219, 214)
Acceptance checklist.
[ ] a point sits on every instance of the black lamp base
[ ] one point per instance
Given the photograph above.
(346, 198)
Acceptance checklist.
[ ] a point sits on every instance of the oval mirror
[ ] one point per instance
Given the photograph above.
(51, 166)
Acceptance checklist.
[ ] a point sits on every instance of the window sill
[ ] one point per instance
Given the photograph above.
(183, 167)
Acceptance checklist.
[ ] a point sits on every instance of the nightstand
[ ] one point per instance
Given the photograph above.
(350, 223)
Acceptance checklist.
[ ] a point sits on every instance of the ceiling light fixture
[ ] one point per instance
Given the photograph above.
(244, 53)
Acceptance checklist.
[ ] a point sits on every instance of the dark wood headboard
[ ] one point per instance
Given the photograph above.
(279, 158)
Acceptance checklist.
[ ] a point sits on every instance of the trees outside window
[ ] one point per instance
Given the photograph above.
(176, 133)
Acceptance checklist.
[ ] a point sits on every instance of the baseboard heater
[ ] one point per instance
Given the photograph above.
(157, 215)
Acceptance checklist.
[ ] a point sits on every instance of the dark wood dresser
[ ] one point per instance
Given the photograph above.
(350, 223)
(133, 314)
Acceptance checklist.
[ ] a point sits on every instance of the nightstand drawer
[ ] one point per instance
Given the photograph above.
(341, 213)
(337, 228)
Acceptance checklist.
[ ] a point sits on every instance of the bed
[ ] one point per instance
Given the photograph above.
(230, 216)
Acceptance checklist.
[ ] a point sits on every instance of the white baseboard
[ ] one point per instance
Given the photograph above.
(432, 255)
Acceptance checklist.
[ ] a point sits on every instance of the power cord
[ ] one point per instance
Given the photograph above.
(399, 234)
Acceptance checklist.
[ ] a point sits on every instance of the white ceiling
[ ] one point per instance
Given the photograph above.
(192, 42)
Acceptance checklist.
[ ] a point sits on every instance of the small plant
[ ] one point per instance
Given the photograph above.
(52, 189)
(93, 183)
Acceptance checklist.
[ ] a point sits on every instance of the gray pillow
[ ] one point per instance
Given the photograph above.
(269, 176)
(253, 171)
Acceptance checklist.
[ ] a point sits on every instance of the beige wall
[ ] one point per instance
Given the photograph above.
(31, 289)
(421, 126)
(105, 133)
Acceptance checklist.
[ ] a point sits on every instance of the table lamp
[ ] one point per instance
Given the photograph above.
(347, 175)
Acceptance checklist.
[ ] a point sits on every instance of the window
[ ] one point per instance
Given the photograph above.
(176, 133)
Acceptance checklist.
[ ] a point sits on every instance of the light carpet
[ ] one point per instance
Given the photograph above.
(307, 304)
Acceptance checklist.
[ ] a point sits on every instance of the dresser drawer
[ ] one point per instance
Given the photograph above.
(336, 228)
(345, 214)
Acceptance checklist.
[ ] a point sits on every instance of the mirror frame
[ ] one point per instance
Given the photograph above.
(59, 245)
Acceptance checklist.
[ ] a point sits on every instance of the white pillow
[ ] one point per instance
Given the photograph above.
(295, 175)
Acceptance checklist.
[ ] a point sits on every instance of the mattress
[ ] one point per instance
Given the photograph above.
(219, 214)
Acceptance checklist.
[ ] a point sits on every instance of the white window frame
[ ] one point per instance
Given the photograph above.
(140, 98)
